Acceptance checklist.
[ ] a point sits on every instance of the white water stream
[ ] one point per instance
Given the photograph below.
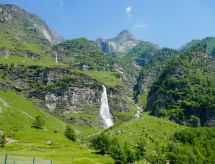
(104, 109)
(56, 60)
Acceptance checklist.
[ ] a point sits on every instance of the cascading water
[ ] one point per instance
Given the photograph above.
(56, 61)
(104, 109)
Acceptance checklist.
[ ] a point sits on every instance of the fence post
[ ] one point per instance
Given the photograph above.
(14, 161)
(33, 160)
(51, 162)
(5, 161)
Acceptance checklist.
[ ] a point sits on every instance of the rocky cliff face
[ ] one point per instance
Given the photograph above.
(19, 18)
(63, 91)
(119, 45)
(56, 38)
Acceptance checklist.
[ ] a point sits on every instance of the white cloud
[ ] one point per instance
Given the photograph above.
(61, 3)
(141, 25)
(129, 10)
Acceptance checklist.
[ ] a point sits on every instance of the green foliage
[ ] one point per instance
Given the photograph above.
(116, 151)
(64, 82)
(151, 71)
(120, 152)
(125, 116)
(140, 54)
(111, 79)
(70, 133)
(83, 54)
(193, 121)
(2, 141)
(38, 123)
(16, 122)
(142, 99)
(209, 42)
(185, 88)
(196, 146)
(102, 143)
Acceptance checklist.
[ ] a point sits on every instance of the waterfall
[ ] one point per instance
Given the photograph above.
(104, 109)
(56, 58)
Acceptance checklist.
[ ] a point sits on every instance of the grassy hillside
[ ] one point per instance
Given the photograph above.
(154, 132)
(138, 56)
(208, 41)
(111, 79)
(159, 140)
(83, 54)
(17, 115)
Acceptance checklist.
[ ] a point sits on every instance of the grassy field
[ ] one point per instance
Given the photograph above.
(30, 62)
(16, 117)
(107, 78)
(156, 131)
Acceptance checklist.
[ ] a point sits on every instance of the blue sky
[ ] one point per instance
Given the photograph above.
(168, 23)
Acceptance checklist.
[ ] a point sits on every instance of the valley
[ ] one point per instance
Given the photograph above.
(119, 100)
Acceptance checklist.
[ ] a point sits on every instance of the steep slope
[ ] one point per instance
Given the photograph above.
(24, 35)
(119, 45)
(189, 46)
(208, 41)
(13, 15)
(151, 71)
(138, 56)
(185, 90)
(18, 114)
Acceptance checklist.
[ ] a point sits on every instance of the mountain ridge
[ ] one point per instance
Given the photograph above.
(12, 13)
(119, 45)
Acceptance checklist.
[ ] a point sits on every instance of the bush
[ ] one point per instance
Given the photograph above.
(141, 148)
(38, 124)
(2, 141)
(117, 152)
(131, 155)
(194, 121)
(102, 143)
(121, 154)
(70, 133)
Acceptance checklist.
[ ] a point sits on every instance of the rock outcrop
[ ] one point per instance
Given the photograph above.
(118, 46)
(62, 91)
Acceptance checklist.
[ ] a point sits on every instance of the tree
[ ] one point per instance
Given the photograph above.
(129, 153)
(70, 133)
(116, 151)
(141, 148)
(2, 141)
(102, 143)
(38, 123)
(181, 116)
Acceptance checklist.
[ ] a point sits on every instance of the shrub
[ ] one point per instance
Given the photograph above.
(117, 152)
(70, 133)
(38, 123)
(2, 141)
(194, 121)
(141, 148)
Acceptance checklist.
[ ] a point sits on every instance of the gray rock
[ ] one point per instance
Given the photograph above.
(49, 143)
(122, 43)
